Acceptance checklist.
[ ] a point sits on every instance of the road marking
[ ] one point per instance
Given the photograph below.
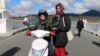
(6, 39)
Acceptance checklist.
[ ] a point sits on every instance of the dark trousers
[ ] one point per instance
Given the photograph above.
(79, 32)
(51, 51)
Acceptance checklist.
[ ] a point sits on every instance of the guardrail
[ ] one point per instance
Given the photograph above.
(13, 32)
(20, 30)
(91, 31)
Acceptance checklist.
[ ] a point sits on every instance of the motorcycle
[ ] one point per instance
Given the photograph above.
(39, 45)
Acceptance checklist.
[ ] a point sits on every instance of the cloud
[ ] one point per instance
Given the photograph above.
(51, 11)
(39, 1)
(71, 6)
(86, 5)
(54, 2)
(24, 8)
(92, 4)
(78, 8)
(47, 5)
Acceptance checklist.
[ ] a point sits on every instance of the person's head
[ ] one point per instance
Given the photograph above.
(80, 19)
(59, 8)
(42, 15)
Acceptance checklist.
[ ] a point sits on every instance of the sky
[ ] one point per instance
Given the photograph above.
(26, 7)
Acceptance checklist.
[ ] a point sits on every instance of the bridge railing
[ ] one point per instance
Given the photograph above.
(90, 27)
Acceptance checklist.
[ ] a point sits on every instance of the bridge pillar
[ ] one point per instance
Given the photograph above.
(6, 24)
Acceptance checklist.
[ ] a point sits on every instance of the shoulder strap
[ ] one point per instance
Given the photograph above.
(63, 22)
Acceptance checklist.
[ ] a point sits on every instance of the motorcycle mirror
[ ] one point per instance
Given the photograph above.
(25, 21)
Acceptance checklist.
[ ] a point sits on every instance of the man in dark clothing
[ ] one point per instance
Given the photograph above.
(60, 39)
(80, 26)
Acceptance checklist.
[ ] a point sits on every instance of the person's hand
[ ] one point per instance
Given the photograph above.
(52, 33)
(28, 33)
(53, 46)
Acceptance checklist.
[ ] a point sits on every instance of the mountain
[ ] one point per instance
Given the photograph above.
(91, 13)
(72, 14)
(88, 13)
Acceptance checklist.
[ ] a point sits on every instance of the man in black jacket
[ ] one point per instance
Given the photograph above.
(80, 26)
(60, 39)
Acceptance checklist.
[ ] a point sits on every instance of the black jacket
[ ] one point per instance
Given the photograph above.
(61, 38)
(80, 24)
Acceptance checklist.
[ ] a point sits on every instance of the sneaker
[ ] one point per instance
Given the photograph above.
(66, 53)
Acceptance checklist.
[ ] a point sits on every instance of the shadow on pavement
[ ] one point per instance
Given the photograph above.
(11, 52)
(96, 43)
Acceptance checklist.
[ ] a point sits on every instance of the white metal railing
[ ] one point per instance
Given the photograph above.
(18, 24)
(93, 26)
(87, 25)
